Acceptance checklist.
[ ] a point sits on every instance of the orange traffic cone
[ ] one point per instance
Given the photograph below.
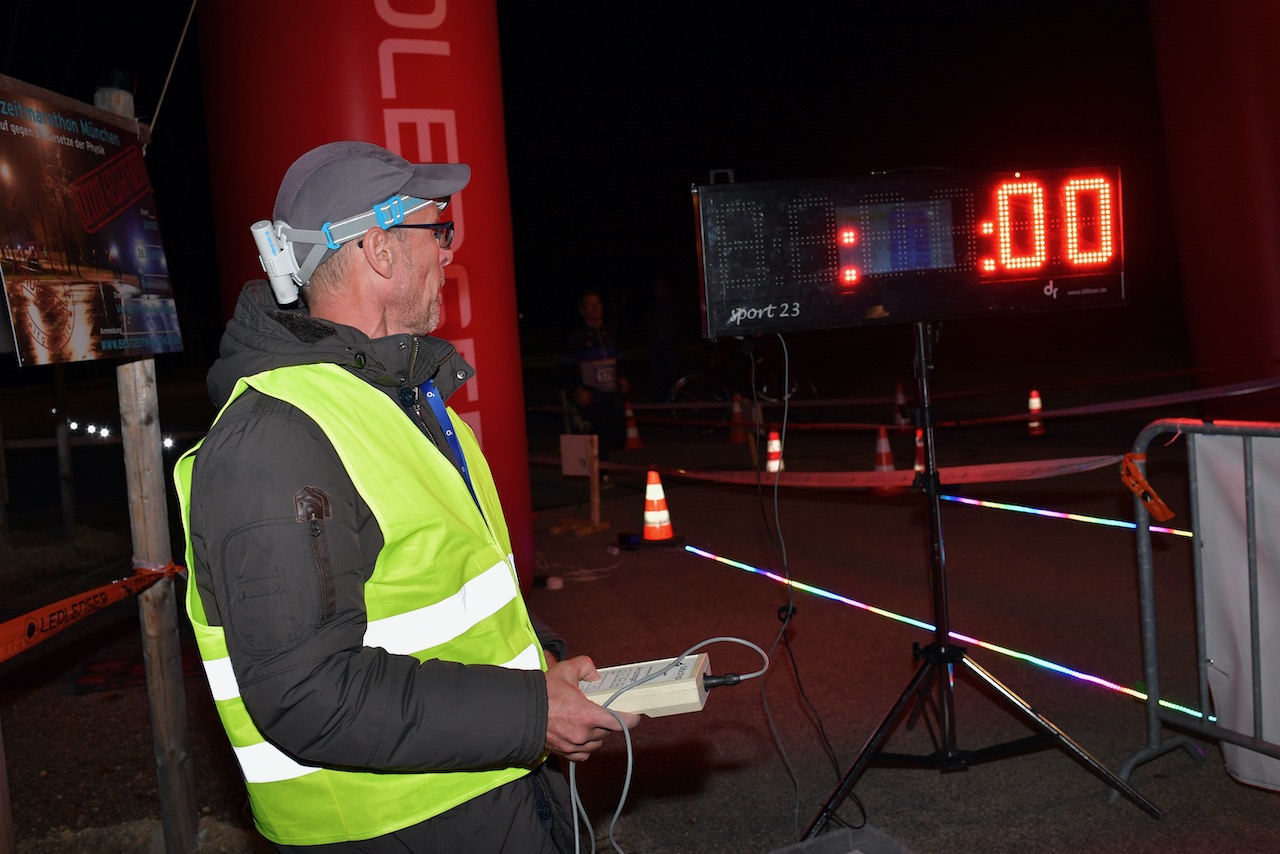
(737, 427)
(633, 433)
(773, 462)
(1034, 427)
(657, 521)
(919, 450)
(884, 462)
(900, 410)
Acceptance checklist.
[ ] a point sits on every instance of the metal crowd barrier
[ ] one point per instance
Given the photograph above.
(1157, 713)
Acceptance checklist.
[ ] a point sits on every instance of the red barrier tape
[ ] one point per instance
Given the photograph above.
(987, 473)
(1194, 396)
(22, 633)
(1235, 390)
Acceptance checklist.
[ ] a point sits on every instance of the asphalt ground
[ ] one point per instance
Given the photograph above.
(752, 770)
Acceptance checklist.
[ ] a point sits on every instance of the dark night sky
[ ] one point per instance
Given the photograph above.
(621, 111)
(614, 110)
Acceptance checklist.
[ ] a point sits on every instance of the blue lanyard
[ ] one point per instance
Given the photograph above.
(442, 415)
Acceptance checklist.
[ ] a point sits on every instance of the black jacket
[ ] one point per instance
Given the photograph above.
(310, 684)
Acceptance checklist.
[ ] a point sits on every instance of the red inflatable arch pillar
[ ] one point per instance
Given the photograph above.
(1217, 66)
(422, 79)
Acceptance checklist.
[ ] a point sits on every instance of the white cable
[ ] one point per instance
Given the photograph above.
(626, 785)
(575, 803)
(786, 571)
(782, 443)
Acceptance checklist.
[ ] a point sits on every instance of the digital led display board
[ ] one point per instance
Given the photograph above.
(907, 247)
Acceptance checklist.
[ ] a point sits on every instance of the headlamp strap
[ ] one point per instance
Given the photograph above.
(314, 257)
(383, 215)
(332, 235)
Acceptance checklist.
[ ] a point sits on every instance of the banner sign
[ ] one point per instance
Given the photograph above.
(84, 269)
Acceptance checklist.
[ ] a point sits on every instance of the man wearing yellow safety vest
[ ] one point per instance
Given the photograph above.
(352, 588)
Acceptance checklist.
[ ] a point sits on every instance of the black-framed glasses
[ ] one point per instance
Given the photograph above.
(443, 230)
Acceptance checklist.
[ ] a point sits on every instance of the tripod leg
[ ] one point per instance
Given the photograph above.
(869, 750)
(1064, 741)
(925, 709)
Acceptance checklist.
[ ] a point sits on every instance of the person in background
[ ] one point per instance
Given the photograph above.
(591, 376)
(352, 586)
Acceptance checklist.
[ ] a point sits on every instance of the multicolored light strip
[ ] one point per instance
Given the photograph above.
(921, 624)
(1074, 517)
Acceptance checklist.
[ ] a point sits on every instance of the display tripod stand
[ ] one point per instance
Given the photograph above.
(932, 688)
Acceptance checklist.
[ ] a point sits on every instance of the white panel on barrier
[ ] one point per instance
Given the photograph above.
(1225, 560)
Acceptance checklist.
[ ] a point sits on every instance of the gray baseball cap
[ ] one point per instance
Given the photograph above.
(341, 180)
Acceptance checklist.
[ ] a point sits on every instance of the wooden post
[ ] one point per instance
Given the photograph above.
(62, 434)
(157, 606)
(4, 497)
(580, 455)
(757, 424)
(8, 840)
(593, 476)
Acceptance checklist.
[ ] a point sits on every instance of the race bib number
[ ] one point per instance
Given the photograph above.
(600, 374)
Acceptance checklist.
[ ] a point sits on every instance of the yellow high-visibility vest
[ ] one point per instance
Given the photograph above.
(444, 587)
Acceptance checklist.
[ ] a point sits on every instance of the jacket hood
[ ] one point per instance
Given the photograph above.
(261, 337)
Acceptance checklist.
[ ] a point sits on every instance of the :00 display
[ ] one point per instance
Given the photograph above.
(1040, 228)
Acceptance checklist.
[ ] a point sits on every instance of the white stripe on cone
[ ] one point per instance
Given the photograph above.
(737, 425)
(773, 462)
(900, 409)
(1034, 427)
(884, 462)
(633, 431)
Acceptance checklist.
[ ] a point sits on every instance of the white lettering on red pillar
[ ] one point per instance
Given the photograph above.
(426, 134)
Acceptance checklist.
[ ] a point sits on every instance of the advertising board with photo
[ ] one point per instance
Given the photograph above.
(83, 263)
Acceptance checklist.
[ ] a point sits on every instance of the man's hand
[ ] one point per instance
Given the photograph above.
(576, 727)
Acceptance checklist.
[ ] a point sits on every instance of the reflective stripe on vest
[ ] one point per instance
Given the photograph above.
(467, 608)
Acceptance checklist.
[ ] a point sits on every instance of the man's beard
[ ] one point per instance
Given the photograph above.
(427, 322)
(432, 320)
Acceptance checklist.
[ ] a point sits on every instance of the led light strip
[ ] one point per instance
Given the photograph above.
(1074, 517)
(921, 624)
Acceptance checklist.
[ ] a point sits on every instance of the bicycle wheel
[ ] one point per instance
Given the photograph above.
(801, 395)
(698, 404)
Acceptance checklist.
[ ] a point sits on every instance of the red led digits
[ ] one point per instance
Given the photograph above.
(987, 264)
(1095, 192)
(848, 237)
(1020, 205)
(1028, 235)
(1015, 227)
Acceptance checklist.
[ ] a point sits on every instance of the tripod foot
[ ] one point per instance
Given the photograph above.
(1065, 742)
(947, 758)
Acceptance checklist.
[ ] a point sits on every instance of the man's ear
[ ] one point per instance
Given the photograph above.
(379, 251)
